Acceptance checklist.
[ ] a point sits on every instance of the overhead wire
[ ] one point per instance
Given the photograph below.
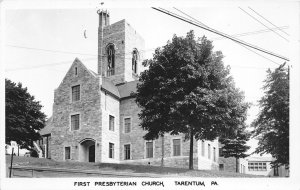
(235, 35)
(231, 36)
(262, 23)
(260, 55)
(267, 20)
(69, 52)
(46, 65)
(219, 33)
(190, 17)
(251, 33)
(48, 50)
(89, 59)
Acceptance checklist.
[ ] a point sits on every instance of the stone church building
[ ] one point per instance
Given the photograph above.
(95, 117)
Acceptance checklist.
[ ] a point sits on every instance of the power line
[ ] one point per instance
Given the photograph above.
(260, 55)
(251, 33)
(64, 62)
(92, 58)
(235, 35)
(49, 50)
(263, 24)
(191, 17)
(219, 33)
(46, 65)
(231, 36)
(267, 20)
(69, 52)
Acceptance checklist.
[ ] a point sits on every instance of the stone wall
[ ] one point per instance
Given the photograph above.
(132, 41)
(129, 109)
(114, 34)
(125, 39)
(230, 164)
(88, 107)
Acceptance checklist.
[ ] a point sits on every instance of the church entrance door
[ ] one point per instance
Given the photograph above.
(87, 150)
(92, 153)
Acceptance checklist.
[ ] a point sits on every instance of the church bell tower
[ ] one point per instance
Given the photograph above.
(120, 50)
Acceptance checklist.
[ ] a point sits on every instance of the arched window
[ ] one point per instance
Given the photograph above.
(135, 55)
(110, 60)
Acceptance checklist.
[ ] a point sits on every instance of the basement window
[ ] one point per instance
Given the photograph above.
(67, 153)
(221, 167)
(111, 150)
(127, 152)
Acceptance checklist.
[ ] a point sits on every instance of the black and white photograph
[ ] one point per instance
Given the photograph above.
(149, 95)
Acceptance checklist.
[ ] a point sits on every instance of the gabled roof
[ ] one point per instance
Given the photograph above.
(77, 61)
(48, 127)
(127, 88)
(109, 86)
(120, 91)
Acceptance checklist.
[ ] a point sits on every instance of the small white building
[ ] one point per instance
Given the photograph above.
(262, 166)
(14, 145)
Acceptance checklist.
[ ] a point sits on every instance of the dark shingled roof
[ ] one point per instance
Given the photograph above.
(122, 90)
(127, 88)
(48, 127)
(109, 86)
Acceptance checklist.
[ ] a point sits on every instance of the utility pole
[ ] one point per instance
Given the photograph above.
(11, 161)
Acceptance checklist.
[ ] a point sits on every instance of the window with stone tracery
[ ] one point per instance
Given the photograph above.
(110, 60)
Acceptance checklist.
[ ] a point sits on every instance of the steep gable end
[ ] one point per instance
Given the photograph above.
(77, 70)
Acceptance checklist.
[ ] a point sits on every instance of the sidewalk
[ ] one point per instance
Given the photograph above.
(33, 171)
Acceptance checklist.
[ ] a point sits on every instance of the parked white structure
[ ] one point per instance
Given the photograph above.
(262, 166)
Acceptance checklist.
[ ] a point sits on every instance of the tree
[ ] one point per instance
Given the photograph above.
(188, 90)
(235, 146)
(272, 123)
(23, 116)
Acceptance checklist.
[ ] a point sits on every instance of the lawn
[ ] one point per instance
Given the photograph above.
(163, 171)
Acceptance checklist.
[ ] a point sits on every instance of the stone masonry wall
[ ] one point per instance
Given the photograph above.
(115, 34)
(132, 40)
(129, 108)
(125, 39)
(88, 107)
(229, 163)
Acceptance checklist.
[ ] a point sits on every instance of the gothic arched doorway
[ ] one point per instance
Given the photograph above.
(87, 150)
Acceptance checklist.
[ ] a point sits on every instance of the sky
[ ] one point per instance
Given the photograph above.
(41, 43)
